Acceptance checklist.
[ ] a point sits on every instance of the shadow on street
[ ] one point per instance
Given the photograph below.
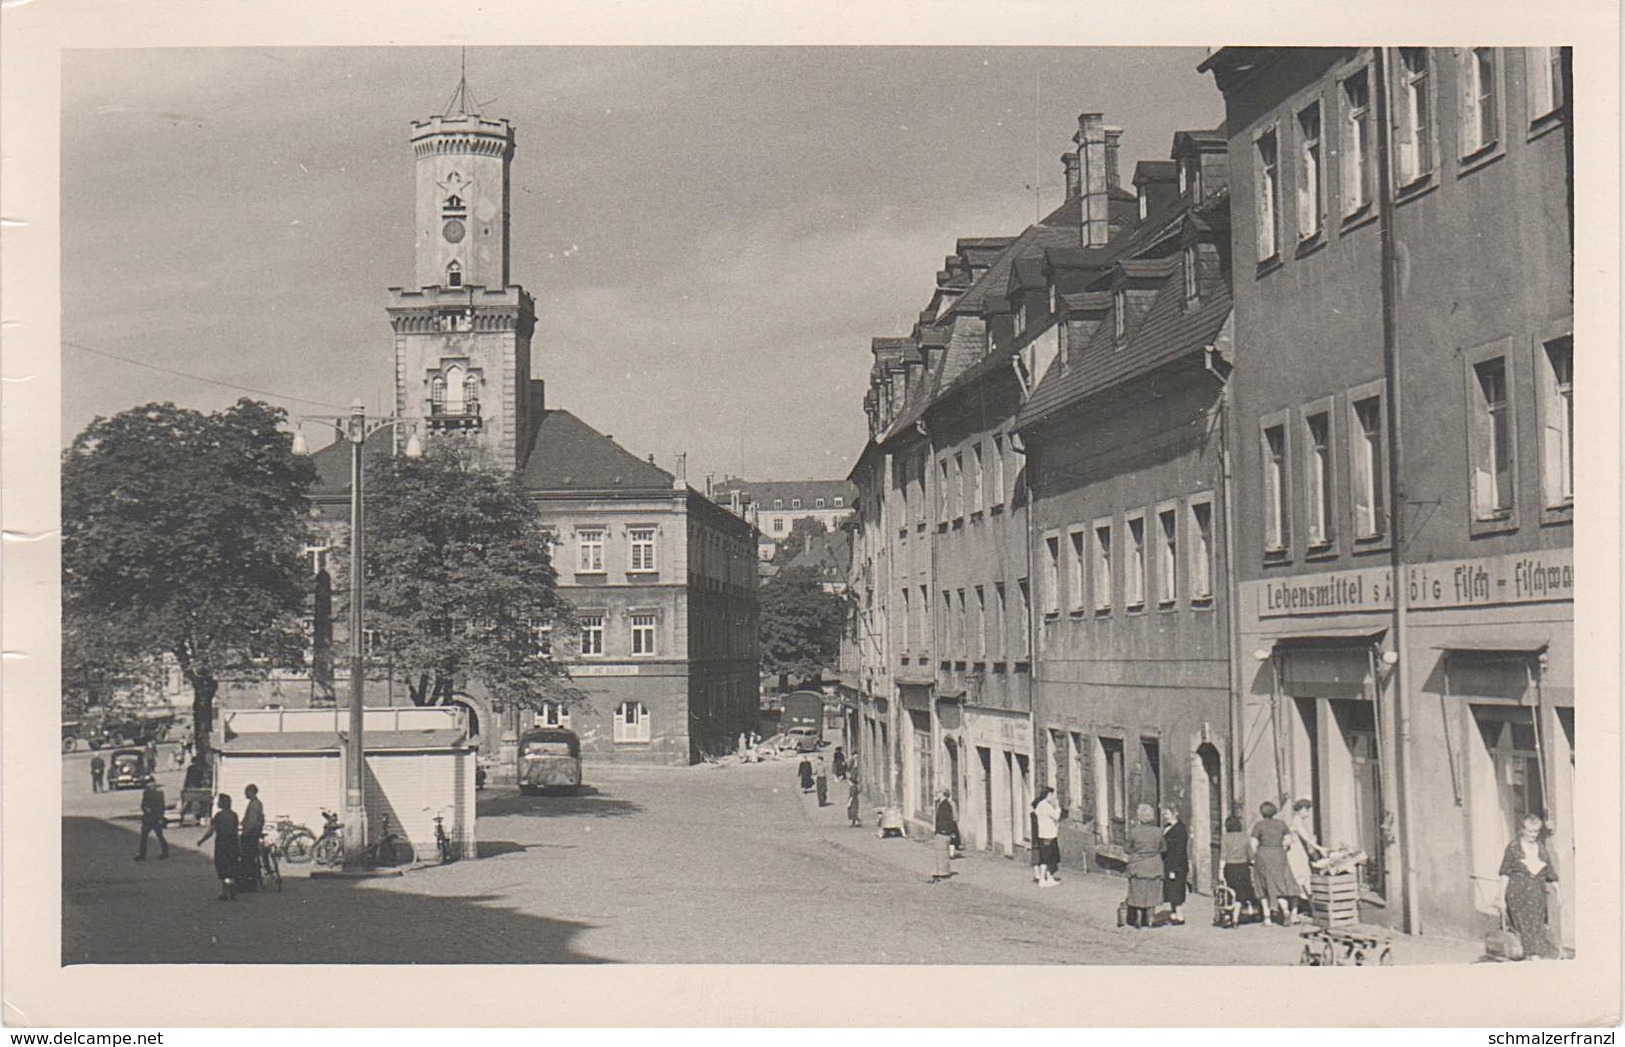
(493, 848)
(587, 803)
(115, 910)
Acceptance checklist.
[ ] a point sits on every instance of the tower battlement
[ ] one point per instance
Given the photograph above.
(460, 133)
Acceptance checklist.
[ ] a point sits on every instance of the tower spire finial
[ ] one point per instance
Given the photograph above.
(461, 102)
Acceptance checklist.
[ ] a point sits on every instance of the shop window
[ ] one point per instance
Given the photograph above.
(631, 722)
(1510, 738)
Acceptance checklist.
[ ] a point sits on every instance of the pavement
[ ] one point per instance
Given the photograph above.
(706, 864)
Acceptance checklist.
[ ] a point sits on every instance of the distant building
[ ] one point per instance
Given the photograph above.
(774, 506)
(663, 580)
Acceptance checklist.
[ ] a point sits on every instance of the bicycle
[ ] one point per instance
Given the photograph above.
(442, 841)
(293, 841)
(270, 866)
(329, 849)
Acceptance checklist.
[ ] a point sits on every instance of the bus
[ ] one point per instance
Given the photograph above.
(549, 757)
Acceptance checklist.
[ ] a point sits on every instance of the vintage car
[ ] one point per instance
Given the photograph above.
(126, 769)
(549, 757)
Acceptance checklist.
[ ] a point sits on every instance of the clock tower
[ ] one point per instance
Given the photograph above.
(462, 335)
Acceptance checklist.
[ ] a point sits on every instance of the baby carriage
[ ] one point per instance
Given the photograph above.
(1226, 909)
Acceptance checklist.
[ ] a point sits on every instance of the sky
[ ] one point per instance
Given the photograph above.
(712, 234)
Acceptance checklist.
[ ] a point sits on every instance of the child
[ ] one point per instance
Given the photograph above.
(1238, 871)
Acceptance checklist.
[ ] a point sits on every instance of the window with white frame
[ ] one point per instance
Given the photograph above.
(977, 494)
(998, 621)
(778, 525)
(1024, 644)
(541, 633)
(959, 485)
(631, 722)
(1076, 557)
(1368, 467)
(590, 545)
(1052, 574)
(1491, 420)
(1188, 266)
(592, 634)
(1267, 204)
(998, 469)
(1134, 563)
(1168, 557)
(553, 714)
(1543, 72)
(1318, 509)
(1276, 531)
(795, 503)
(961, 626)
(1311, 177)
(778, 503)
(643, 634)
(944, 503)
(1413, 138)
(1199, 569)
(980, 638)
(437, 395)
(840, 502)
(1103, 565)
(642, 541)
(1557, 422)
(1480, 101)
(1357, 142)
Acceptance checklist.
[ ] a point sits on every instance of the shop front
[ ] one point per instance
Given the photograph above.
(998, 786)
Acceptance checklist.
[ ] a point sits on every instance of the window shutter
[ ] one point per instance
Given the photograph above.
(1365, 520)
(1305, 222)
(1266, 246)
(1551, 455)
(1467, 121)
(1350, 164)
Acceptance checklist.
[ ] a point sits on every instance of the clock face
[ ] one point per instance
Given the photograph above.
(452, 231)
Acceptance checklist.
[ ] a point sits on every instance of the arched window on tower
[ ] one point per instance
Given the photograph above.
(454, 275)
(471, 393)
(437, 395)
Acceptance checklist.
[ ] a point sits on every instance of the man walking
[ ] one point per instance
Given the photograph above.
(821, 780)
(98, 767)
(252, 828)
(152, 818)
(149, 757)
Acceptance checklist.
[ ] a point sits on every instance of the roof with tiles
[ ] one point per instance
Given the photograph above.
(567, 454)
(1148, 171)
(764, 491)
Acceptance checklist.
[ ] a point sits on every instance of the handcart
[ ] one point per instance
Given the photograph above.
(1338, 937)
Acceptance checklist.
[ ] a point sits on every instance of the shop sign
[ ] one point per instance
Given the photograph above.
(1489, 581)
(603, 670)
(1002, 732)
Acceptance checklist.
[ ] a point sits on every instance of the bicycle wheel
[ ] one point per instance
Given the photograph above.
(328, 851)
(299, 845)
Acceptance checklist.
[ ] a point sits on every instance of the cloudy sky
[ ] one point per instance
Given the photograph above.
(712, 235)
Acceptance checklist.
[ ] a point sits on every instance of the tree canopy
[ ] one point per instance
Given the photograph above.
(801, 624)
(460, 580)
(802, 529)
(182, 535)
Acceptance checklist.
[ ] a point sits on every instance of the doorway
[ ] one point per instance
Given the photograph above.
(950, 748)
(985, 756)
(1207, 809)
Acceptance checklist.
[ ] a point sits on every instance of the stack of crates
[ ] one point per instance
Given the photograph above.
(1334, 898)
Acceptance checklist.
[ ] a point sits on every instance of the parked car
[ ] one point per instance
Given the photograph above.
(126, 769)
(804, 739)
(72, 731)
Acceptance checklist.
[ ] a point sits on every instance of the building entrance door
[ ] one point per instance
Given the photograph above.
(1207, 809)
(1360, 731)
(950, 749)
(985, 756)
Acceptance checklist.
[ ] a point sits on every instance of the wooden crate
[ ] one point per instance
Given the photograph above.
(1334, 898)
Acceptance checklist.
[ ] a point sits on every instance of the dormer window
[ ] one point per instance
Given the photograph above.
(454, 275)
(1190, 177)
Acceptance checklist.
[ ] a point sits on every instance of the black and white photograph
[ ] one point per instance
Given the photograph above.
(810, 507)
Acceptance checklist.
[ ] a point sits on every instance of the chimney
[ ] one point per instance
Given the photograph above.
(1113, 136)
(1074, 182)
(680, 479)
(1091, 141)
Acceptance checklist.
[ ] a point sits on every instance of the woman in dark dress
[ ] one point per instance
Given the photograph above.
(1527, 866)
(1269, 858)
(1144, 852)
(805, 771)
(1237, 859)
(1176, 862)
(223, 827)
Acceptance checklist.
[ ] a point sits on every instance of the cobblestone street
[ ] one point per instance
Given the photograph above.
(648, 865)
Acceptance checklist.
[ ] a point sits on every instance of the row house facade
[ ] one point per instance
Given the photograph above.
(1403, 433)
(662, 579)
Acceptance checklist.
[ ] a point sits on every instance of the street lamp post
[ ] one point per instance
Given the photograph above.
(354, 430)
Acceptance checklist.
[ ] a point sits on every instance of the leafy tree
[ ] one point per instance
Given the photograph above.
(801, 624)
(182, 535)
(460, 581)
(802, 529)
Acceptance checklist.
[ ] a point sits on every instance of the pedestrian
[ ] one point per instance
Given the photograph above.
(840, 763)
(1268, 843)
(1527, 868)
(152, 818)
(804, 771)
(1301, 848)
(853, 794)
(1144, 850)
(1238, 870)
(744, 747)
(1176, 859)
(223, 827)
(1047, 836)
(249, 835)
(149, 757)
(947, 831)
(98, 767)
(821, 780)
